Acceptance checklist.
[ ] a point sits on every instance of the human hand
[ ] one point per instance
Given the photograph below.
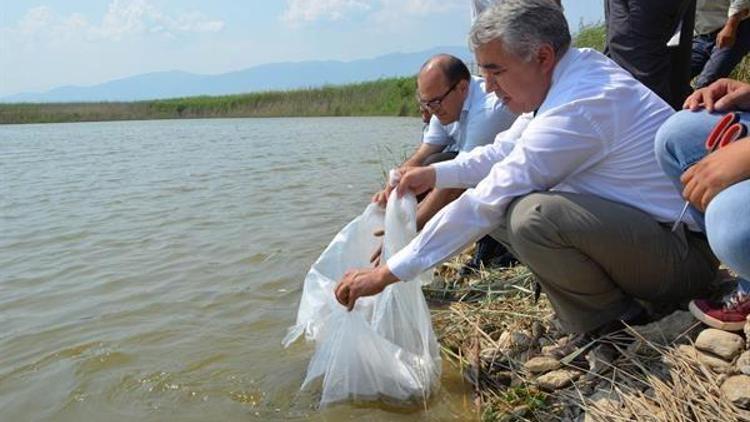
(375, 257)
(381, 198)
(715, 172)
(726, 37)
(722, 95)
(362, 282)
(426, 114)
(416, 179)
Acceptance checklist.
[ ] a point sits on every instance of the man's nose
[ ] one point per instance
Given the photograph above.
(495, 87)
(491, 85)
(499, 93)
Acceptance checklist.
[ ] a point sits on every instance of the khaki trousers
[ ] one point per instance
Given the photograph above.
(592, 256)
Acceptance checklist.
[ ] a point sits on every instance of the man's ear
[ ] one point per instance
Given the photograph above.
(546, 57)
(463, 86)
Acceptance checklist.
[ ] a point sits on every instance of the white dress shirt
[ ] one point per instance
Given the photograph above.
(593, 134)
(482, 117)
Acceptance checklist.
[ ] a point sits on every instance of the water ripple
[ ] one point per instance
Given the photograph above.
(150, 269)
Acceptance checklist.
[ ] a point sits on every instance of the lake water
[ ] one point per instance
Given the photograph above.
(149, 270)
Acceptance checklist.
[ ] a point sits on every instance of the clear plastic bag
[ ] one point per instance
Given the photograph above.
(385, 347)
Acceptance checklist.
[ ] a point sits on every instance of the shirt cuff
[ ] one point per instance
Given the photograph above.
(446, 174)
(735, 9)
(405, 264)
(434, 141)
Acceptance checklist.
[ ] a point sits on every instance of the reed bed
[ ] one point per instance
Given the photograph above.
(385, 97)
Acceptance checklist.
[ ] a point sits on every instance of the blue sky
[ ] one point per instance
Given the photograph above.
(50, 43)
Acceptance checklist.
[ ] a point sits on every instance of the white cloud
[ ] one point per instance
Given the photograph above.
(313, 10)
(35, 19)
(307, 11)
(122, 19)
(45, 48)
(125, 17)
(422, 7)
(196, 22)
(396, 13)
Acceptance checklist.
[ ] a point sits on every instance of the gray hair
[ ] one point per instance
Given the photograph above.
(523, 26)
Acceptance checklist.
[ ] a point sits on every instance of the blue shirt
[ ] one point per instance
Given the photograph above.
(482, 117)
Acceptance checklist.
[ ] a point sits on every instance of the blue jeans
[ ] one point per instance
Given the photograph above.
(710, 63)
(680, 143)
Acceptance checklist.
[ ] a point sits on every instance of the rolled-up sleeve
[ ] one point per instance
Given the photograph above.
(436, 133)
(737, 6)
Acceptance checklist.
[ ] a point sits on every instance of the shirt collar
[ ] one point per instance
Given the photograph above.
(473, 87)
(562, 65)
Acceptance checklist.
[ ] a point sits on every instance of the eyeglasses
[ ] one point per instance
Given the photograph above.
(435, 103)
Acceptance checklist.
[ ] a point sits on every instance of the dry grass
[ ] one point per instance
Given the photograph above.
(664, 384)
(742, 71)
(494, 326)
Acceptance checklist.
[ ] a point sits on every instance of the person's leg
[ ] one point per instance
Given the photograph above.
(729, 235)
(438, 157)
(681, 56)
(607, 31)
(680, 143)
(702, 46)
(723, 60)
(433, 202)
(637, 35)
(432, 159)
(728, 227)
(593, 256)
(488, 251)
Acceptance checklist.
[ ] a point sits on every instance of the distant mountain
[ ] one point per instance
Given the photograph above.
(268, 77)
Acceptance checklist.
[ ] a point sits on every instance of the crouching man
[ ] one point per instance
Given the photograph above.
(573, 188)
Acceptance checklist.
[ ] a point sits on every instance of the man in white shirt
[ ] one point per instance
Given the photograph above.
(480, 117)
(722, 39)
(464, 116)
(572, 188)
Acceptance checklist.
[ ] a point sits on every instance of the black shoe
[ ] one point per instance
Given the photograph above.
(634, 315)
(489, 253)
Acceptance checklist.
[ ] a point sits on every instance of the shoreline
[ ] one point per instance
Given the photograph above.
(384, 97)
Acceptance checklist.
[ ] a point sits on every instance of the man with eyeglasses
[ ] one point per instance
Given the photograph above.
(464, 116)
(573, 188)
